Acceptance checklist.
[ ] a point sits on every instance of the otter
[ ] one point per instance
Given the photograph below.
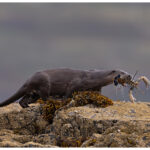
(63, 82)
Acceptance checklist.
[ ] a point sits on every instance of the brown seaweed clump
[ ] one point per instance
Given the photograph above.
(50, 106)
(91, 97)
(80, 98)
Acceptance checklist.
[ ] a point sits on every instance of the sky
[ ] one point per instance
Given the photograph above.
(39, 36)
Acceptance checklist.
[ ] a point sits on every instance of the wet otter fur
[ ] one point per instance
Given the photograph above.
(62, 82)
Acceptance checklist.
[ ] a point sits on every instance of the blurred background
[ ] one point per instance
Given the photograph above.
(38, 36)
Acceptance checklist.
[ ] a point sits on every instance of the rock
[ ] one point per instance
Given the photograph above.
(123, 124)
(115, 126)
(32, 144)
(9, 139)
(24, 127)
(23, 121)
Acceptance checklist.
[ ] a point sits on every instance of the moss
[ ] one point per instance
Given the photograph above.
(81, 99)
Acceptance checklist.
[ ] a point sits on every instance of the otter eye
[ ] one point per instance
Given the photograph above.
(113, 71)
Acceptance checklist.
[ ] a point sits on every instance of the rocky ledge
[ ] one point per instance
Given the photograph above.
(123, 124)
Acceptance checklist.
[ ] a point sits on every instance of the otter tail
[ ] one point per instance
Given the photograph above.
(21, 92)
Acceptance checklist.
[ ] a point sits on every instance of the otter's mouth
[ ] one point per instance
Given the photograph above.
(124, 80)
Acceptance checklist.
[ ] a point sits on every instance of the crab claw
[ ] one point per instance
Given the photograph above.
(132, 98)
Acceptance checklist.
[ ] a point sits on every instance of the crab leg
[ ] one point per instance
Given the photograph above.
(145, 80)
(132, 98)
(135, 84)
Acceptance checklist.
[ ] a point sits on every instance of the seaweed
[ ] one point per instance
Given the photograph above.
(50, 106)
(91, 97)
(81, 98)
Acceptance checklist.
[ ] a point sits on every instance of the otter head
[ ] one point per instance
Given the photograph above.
(120, 77)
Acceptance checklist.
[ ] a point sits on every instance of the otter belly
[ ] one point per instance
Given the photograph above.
(58, 88)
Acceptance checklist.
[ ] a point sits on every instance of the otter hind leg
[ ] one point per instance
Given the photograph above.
(28, 99)
(33, 97)
(23, 102)
(44, 92)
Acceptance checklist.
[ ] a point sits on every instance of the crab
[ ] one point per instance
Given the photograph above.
(133, 84)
